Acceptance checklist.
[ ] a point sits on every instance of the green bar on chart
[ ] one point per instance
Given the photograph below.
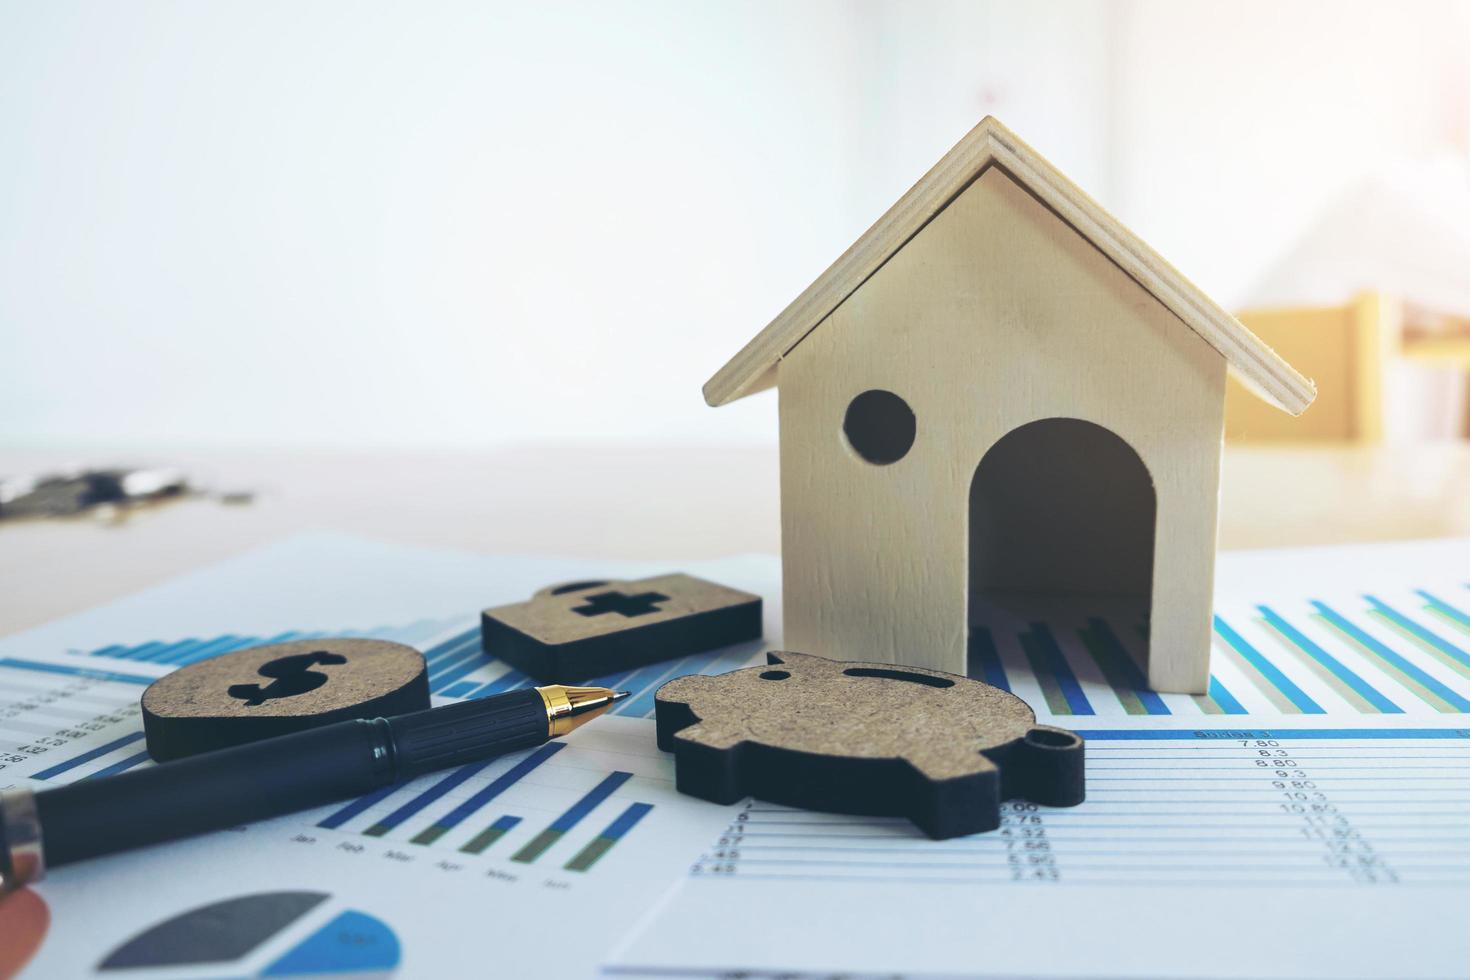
(603, 842)
(486, 837)
(542, 841)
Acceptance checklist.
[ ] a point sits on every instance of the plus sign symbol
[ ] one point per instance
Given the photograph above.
(625, 605)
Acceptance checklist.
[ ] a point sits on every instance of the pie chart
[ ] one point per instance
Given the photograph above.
(266, 934)
(23, 922)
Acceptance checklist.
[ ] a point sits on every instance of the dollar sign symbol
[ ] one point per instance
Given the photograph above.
(292, 675)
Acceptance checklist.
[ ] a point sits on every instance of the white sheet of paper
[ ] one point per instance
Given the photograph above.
(1310, 819)
(536, 863)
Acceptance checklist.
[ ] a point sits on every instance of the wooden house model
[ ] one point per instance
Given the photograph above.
(997, 395)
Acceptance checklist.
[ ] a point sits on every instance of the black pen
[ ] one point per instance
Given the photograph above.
(275, 776)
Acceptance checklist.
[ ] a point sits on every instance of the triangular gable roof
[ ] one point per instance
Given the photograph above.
(753, 368)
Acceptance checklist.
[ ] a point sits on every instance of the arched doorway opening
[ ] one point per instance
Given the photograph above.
(1062, 518)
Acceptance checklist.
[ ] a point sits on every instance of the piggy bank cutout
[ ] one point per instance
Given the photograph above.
(940, 749)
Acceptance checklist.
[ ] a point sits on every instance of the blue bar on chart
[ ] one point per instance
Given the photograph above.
(1426, 687)
(155, 652)
(339, 817)
(984, 659)
(1059, 685)
(1453, 616)
(449, 674)
(191, 650)
(200, 651)
(1437, 646)
(123, 765)
(487, 793)
(1279, 689)
(1120, 670)
(1221, 699)
(571, 818)
(644, 683)
(508, 681)
(428, 796)
(603, 842)
(1349, 686)
(144, 651)
(88, 756)
(453, 646)
(86, 672)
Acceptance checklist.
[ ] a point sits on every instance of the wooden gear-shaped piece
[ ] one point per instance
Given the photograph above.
(937, 748)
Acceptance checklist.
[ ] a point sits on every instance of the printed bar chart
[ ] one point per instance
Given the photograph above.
(84, 672)
(1058, 683)
(1445, 612)
(414, 798)
(1282, 692)
(1219, 701)
(1364, 653)
(1436, 646)
(542, 841)
(1351, 687)
(603, 842)
(479, 799)
(86, 757)
(1120, 670)
(1382, 653)
(180, 653)
(428, 796)
(1434, 692)
(985, 664)
(122, 765)
(357, 806)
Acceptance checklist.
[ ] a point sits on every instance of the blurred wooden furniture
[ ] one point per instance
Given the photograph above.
(1342, 349)
(1434, 337)
(1350, 351)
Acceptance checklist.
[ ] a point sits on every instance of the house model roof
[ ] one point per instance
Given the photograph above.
(991, 144)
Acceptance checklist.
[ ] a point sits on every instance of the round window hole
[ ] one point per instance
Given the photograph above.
(879, 427)
(774, 675)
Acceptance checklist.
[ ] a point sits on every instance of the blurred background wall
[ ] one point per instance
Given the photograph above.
(466, 224)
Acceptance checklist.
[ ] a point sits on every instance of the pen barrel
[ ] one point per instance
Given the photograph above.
(457, 734)
(214, 790)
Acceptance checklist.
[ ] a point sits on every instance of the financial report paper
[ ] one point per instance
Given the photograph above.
(533, 863)
(1308, 817)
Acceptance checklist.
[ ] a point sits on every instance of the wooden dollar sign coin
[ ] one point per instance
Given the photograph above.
(277, 689)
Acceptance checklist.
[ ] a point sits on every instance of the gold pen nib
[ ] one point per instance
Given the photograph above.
(568, 708)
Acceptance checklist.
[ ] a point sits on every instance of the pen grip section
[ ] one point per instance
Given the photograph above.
(213, 791)
(457, 734)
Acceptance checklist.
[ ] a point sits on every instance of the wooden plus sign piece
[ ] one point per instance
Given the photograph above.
(622, 603)
(579, 630)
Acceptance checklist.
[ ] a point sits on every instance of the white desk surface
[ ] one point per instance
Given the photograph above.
(615, 502)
